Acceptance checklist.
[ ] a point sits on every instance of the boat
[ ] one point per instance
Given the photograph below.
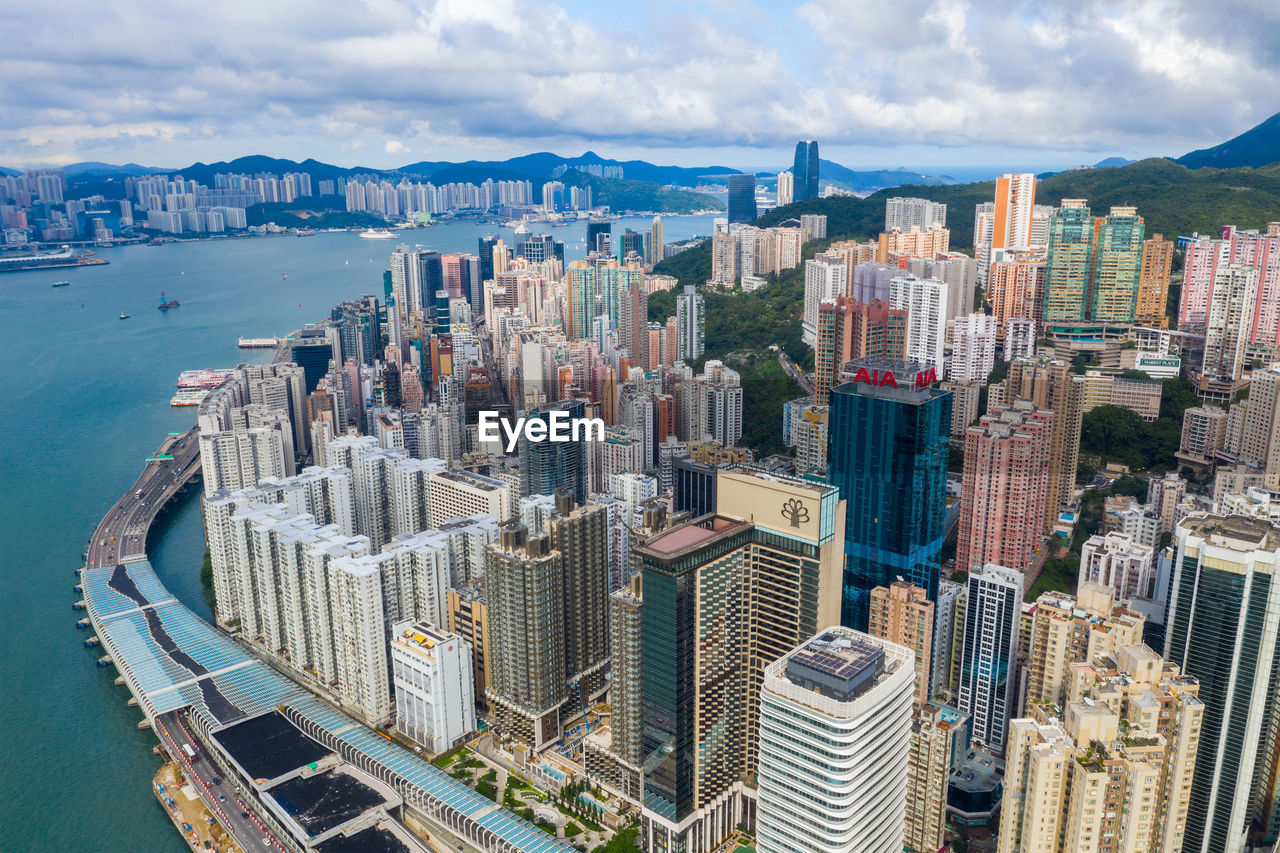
(166, 304)
(258, 343)
(378, 234)
(306, 232)
(62, 283)
(124, 316)
(284, 275)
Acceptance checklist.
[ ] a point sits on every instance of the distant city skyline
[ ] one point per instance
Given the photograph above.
(936, 87)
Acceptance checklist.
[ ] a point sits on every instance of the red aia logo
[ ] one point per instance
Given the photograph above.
(877, 378)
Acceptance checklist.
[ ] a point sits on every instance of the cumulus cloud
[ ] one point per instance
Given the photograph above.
(163, 82)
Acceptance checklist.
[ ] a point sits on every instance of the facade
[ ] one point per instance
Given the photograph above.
(1005, 485)
(691, 325)
(933, 737)
(925, 302)
(888, 457)
(432, 676)
(834, 744)
(973, 348)
(989, 653)
(805, 171)
(903, 214)
(1110, 768)
(595, 289)
(546, 466)
(1117, 266)
(1223, 618)
(1228, 321)
(1050, 384)
(1153, 282)
(824, 278)
(1068, 630)
(903, 614)
(742, 198)
(786, 189)
(1071, 247)
(724, 595)
(1117, 561)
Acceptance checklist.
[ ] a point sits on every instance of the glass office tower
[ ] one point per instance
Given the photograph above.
(888, 439)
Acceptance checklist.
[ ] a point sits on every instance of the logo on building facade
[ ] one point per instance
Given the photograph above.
(879, 378)
(795, 512)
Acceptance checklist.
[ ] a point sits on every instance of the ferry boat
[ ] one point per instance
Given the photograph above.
(189, 397)
(204, 378)
(259, 343)
(62, 283)
(166, 304)
(124, 316)
(306, 232)
(378, 234)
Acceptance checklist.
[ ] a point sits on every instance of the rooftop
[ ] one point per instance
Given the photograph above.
(693, 534)
(269, 746)
(839, 665)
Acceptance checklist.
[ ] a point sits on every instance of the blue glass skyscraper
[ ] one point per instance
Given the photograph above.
(805, 170)
(887, 445)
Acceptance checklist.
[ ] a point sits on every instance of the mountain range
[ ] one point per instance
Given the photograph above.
(1256, 147)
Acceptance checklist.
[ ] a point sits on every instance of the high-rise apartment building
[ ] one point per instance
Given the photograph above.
(1224, 630)
(889, 433)
(805, 171)
(1229, 320)
(1014, 206)
(925, 301)
(1108, 768)
(1115, 560)
(1015, 287)
(1051, 385)
(655, 245)
(432, 676)
(1259, 444)
(824, 278)
(1071, 249)
(902, 613)
(1117, 265)
(922, 243)
(1006, 481)
(691, 324)
(973, 348)
(928, 770)
(847, 330)
(720, 603)
(742, 198)
(903, 214)
(786, 188)
(594, 289)
(1153, 282)
(546, 466)
(835, 725)
(1068, 630)
(989, 652)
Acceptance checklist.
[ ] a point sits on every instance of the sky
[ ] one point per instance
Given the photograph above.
(926, 84)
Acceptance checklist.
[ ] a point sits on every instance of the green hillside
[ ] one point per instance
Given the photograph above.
(1257, 146)
(642, 196)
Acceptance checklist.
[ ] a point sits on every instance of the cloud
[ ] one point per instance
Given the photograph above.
(463, 77)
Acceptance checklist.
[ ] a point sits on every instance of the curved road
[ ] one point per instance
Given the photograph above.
(123, 530)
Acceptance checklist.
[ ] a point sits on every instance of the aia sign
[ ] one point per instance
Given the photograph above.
(879, 378)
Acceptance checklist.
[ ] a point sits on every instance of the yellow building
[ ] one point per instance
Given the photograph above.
(902, 613)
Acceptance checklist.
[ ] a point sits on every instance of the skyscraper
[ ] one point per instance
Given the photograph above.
(720, 603)
(1014, 208)
(1223, 630)
(1109, 768)
(933, 735)
(805, 170)
(1066, 280)
(595, 289)
(835, 721)
(786, 188)
(889, 433)
(973, 348)
(655, 246)
(989, 653)
(902, 613)
(690, 324)
(599, 237)
(1153, 282)
(1006, 481)
(546, 466)
(1117, 266)
(1051, 385)
(742, 198)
